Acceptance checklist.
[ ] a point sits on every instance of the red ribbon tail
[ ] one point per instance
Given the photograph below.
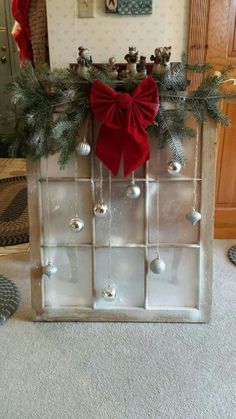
(135, 153)
(109, 147)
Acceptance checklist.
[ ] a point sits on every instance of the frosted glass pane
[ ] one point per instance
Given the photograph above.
(127, 216)
(127, 275)
(69, 171)
(178, 285)
(72, 284)
(62, 199)
(175, 201)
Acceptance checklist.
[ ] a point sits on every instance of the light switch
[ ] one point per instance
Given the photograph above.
(86, 8)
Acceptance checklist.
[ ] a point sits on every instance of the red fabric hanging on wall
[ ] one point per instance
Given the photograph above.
(20, 12)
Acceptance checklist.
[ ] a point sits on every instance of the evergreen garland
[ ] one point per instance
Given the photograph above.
(40, 94)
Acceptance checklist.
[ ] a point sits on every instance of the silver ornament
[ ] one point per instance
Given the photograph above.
(100, 209)
(83, 148)
(76, 224)
(157, 266)
(174, 167)
(50, 269)
(193, 217)
(133, 191)
(109, 293)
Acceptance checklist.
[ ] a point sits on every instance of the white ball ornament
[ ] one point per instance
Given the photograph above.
(157, 266)
(50, 269)
(109, 293)
(193, 217)
(133, 191)
(100, 209)
(83, 148)
(76, 224)
(174, 167)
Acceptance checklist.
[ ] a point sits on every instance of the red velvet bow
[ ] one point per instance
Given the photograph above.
(124, 118)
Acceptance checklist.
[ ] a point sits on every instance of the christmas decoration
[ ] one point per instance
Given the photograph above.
(109, 293)
(83, 148)
(124, 118)
(157, 266)
(84, 61)
(133, 191)
(76, 224)
(132, 59)
(50, 269)
(38, 92)
(174, 167)
(141, 68)
(193, 216)
(100, 209)
(112, 67)
(161, 60)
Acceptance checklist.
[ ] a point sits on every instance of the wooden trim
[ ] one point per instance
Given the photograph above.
(179, 315)
(225, 223)
(207, 222)
(35, 229)
(198, 34)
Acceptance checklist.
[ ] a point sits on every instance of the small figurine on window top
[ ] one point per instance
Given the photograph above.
(132, 59)
(84, 61)
(161, 60)
(141, 68)
(113, 67)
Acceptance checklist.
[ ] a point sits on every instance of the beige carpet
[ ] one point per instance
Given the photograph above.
(119, 371)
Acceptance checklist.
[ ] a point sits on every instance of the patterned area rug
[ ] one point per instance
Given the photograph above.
(9, 298)
(14, 225)
(232, 254)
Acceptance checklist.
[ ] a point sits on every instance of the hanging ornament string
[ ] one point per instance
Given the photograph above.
(49, 269)
(76, 188)
(100, 208)
(194, 216)
(101, 183)
(83, 148)
(109, 293)
(157, 265)
(133, 191)
(76, 224)
(109, 233)
(195, 170)
(157, 219)
(47, 205)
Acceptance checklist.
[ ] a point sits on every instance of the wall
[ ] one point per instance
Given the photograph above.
(107, 35)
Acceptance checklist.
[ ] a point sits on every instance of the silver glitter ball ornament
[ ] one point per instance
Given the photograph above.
(174, 167)
(83, 148)
(100, 209)
(133, 191)
(109, 293)
(50, 269)
(157, 266)
(76, 224)
(193, 217)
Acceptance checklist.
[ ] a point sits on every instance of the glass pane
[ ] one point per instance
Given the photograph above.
(72, 284)
(175, 201)
(177, 286)
(127, 274)
(69, 171)
(62, 209)
(127, 216)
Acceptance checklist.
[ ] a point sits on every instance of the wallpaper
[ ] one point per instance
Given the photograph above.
(106, 35)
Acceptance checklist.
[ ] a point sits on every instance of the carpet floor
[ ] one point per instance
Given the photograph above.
(120, 371)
